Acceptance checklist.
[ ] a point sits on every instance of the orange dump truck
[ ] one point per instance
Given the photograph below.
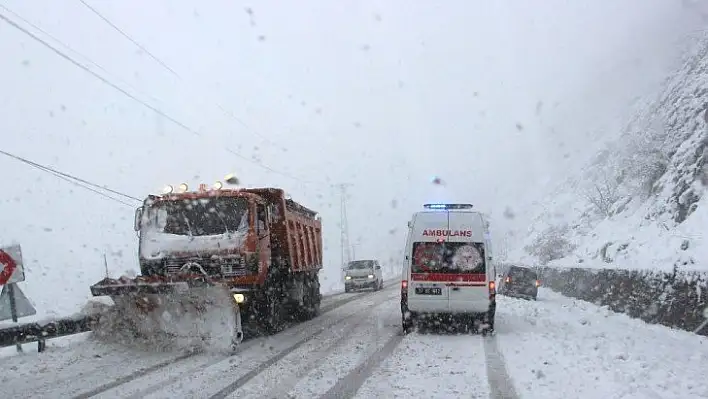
(261, 248)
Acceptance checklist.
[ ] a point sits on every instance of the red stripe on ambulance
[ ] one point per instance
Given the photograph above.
(467, 278)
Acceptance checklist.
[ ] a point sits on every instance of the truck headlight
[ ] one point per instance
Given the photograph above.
(239, 298)
(371, 276)
(347, 277)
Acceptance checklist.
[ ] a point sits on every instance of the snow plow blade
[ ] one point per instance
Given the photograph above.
(125, 286)
(162, 312)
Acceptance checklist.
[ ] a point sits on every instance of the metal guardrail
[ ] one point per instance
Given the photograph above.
(40, 332)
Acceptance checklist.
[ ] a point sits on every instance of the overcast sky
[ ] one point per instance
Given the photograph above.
(382, 95)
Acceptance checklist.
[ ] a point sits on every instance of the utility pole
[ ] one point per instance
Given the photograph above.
(344, 226)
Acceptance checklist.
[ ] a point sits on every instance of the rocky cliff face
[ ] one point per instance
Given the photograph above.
(640, 202)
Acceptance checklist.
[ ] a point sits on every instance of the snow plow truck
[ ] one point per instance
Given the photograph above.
(253, 248)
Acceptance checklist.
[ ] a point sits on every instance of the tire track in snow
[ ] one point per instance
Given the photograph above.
(500, 384)
(130, 377)
(295, 329)
(232, 387)
(284, 386)
(348, 385)
(183, 358)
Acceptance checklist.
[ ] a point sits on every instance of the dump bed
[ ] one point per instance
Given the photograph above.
(296, 231)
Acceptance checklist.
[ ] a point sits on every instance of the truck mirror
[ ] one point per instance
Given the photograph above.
(138, 218)
(705, 313)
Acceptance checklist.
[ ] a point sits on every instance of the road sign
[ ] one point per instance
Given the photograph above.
(22, 305)
(11, 267)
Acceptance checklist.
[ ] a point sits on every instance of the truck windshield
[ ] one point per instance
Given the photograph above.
(360, 264)
(198, 217)
(448, 257)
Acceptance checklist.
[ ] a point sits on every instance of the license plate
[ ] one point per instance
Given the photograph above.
(428, 291)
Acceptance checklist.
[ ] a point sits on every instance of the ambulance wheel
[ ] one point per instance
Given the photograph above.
(490, 316)
(408, 323)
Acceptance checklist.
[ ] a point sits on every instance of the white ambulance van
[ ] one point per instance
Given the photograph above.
(448, 271)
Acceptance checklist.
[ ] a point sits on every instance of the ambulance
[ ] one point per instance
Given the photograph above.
(448, 272)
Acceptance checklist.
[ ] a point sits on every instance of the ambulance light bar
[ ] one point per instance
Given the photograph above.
(447, 206)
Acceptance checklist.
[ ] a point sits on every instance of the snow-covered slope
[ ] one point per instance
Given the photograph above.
(640, 202)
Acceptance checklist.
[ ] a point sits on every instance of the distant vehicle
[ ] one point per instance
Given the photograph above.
(448, 271)
(363, 274)
(520, 282)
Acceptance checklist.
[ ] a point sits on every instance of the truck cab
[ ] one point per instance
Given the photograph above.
(448, 271)
(215, 233)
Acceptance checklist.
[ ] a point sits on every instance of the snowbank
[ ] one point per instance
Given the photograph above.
(675, 299)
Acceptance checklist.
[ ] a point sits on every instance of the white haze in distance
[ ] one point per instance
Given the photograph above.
(381, 95)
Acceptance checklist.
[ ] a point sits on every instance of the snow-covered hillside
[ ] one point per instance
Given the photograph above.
(640, 203)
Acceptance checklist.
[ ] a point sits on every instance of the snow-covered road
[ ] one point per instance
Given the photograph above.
(564, 348)
(553, 348)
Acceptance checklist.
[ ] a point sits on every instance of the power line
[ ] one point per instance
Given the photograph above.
(172, 71)
(140, 46)
(91, 189)
(80, 55)
(94, 74)
(73, 179)
(145, 104)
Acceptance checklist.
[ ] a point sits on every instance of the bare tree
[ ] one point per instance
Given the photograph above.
(551, 244)
(604, 195)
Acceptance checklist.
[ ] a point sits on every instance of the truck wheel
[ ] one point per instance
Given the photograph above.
(268, 310)
(272, 314)
(317, 296)
(311, 301)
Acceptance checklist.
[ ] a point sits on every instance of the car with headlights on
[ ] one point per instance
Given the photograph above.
(359, 274)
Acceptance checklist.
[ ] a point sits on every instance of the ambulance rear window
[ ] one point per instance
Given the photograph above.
(448, 257)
